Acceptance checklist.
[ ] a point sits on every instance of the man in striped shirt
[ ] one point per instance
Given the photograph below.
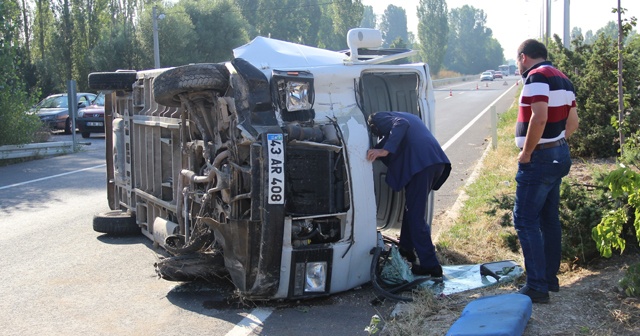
(547, 115)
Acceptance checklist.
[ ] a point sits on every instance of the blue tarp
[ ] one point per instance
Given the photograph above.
(456, 278)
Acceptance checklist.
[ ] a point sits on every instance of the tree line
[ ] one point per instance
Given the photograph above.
(58, 40)
(44, 43)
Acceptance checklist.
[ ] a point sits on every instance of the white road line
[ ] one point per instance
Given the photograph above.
(50, 177)
(465, 128)
(252, 321)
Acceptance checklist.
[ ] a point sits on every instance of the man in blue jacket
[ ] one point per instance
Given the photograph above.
(416, 163)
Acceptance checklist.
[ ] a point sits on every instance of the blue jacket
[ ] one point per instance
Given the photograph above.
(411, 147)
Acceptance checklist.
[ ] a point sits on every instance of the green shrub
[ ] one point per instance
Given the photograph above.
(580, 211)
(630, 283)
(610, 234)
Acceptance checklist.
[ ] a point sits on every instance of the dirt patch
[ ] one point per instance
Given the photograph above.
(589, 303)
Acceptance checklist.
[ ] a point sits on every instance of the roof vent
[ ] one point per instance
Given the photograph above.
(363, 38)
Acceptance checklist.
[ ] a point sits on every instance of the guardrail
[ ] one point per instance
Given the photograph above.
(35, 149)
(446, 81)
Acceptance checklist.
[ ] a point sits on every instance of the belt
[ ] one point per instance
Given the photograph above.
(550, 144)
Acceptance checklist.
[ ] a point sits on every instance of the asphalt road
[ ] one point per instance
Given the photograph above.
(59, 277)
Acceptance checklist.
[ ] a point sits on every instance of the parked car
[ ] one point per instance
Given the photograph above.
(497, 74)
(54, 110)
(90, 119)
(255, 170)
(486, 76)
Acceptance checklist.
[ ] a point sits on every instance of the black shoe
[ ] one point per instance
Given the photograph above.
(552, 288)
(434, 272)
(409, 255)
(534, 295)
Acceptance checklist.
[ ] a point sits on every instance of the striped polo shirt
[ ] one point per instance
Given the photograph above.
(544, 83)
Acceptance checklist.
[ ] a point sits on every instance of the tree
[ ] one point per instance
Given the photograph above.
(393, 25)
(337, 18)
(176, 33)
(368, 18)
(610, 30)
(576, 32)
(218, 28)
(43, 35)
(589, 37)
(433, 31)
(471, 47)
(16, 127)
(249, 10)
(63, 40)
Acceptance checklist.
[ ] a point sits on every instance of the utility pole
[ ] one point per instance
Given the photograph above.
(156, 47)
(548, 23)
(566, 38)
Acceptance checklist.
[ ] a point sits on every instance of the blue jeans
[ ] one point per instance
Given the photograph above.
(536, 214)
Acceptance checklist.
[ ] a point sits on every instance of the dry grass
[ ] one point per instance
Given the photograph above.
(446, 74)
(481, 231)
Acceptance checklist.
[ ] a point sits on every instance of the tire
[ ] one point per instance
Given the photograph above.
(86, 135)
(115, 222)
(112, 80)
(189, 78)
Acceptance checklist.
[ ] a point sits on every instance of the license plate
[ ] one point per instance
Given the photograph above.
(276, 168)
(94, 123)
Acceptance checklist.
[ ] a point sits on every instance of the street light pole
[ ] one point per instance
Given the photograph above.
(156, 47)
(548, 23)
(566, 38)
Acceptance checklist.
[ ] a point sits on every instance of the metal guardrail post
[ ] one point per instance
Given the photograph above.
(494, 127)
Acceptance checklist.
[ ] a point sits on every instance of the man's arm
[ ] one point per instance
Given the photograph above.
(572, 122)
(539, 114)
(397, 133)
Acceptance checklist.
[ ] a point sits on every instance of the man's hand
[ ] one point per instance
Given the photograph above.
(373, 154)
(524, 157)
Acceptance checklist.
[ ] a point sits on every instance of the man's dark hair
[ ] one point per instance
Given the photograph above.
(372, 126)
(533, 49)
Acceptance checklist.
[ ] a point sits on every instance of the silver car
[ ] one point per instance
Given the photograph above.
(486, 76)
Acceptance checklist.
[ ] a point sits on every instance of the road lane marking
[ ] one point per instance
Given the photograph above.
(466, 128)
(50, 177)
(250, 323)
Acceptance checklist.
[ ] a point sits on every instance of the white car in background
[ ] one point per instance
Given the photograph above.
(486, 76)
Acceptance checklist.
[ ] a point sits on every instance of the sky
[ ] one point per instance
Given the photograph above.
(513, 21)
